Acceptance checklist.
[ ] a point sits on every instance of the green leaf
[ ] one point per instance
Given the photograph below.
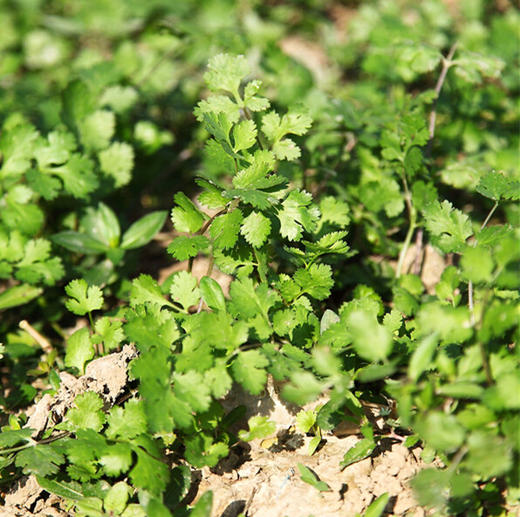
(296, 215)
(186, 217)
(256, 228)
(452, 324)
(190, 387)
(127, 422)
(431, 486)
(10, 437)
(255, 176)
(218, 379)
(315, 280)
(450, 226)
(79, 350)
(212, 294)
(372, 341)
(276, 128)
(378, 506)
(421, 359)
(149, 474)
(146, 290)
(441, 431)
(203, 506)
(97, 129)
(225, 228)
(184, 289)
(225, 72)
(183, 248)
(305, 420)
(244, 135)
(116, 459)
(363, 449)
(88, 413)
(497, 186)
(43, 460)
(472, 66)
(77, 176)
(102, 225)
(143, 230)
(77, 101)
(117, 497)
(249, 370)
(79, 243)
(83, 298)
(334, 211)
(259, 427)
(108, 332)
(18, 295)
(252, 101)
(63, 489)
(304, 388)
(117, 161)
(309, 477)
(477, 264)
(286, 149)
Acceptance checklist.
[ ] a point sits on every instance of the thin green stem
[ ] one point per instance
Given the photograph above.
(261, 274)
(34, 443)
(488, 217)
(412, 215)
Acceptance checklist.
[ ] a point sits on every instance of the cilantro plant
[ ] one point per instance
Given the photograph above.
(325, 200)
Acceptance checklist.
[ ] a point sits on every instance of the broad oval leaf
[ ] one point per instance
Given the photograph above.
(18, 295)
(102, 225)
(378, 506)
(143, 230)
(79, 243)
(422, 356)
(360, 451)
(212, 293)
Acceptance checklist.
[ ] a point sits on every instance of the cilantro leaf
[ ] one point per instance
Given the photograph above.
(249, 370)
(334, 211)
(450, 226)
(252, 101)
(183, 247)
(296, 215)
(79, 349)
(244, 135)
(117, 161)
(127, 422)
(225, 228)
(146, 290)
(116, 459)
(259, 427)
(77, 176)
(372, 341)
(88, 413)
(97, 129)
(83, 298)
(43, 460)
(225, 72)
(191, 388)
(256, 228)
(108, 332)
(497, 186)
(316, 280)
(149, 474)
(186, 217)
(184, 289)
